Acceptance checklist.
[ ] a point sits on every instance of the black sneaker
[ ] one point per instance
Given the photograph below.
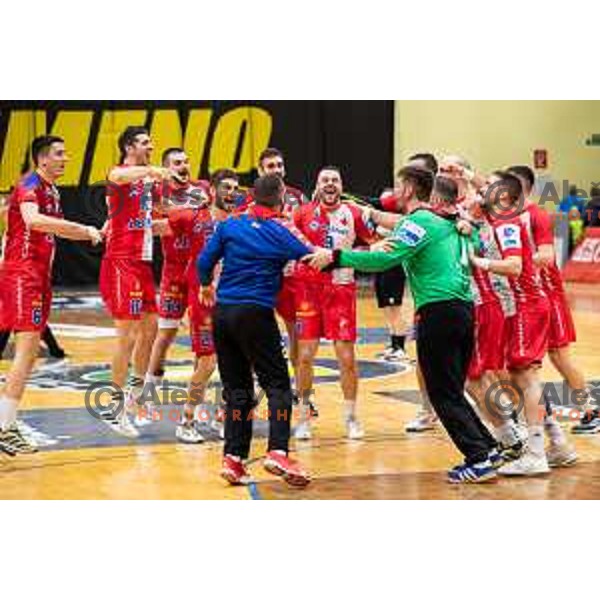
(589, 423)
(12, 442)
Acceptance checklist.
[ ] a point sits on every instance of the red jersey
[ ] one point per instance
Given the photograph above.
(340, 228)
(539, 229)
(489, 288)
(197, 227)
(24, 246)
(513, 240)
(188, 200)
(130, 207)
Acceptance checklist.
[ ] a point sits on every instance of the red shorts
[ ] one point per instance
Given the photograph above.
(173, 300)
(25, 299)
(201, 325)
(562, 328)
(127, 288)
(286, 300)
(489, 350)
(326, 311)
(527, 337)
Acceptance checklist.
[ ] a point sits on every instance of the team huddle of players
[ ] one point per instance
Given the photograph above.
(521, 312)
(521, 307)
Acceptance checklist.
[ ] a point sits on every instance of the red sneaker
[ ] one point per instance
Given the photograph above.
(234, 471)
(290, 470)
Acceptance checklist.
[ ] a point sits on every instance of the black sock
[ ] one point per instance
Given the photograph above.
(52, 344)
(4, 337)
(398, 342)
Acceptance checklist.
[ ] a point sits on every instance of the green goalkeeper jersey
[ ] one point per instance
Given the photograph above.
(433, 254)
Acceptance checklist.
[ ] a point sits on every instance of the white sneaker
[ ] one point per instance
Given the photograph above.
(303, 431)
(424, 421)
(528, 464)
(188, 434)
(219, 427)
(143, 415)
(120, 423)
(397, 356)
(563, 455)
(354, 430)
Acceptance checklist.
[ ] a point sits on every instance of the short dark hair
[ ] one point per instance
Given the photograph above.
(428, 159)
(41, 145)
(595, 191)
(269, 153)
(168, 151)
(268, 190)
(421, 178)
(446, 189)
(330, 168)
(221, 175)
(524, 172)
(512, 184)
(127, 138)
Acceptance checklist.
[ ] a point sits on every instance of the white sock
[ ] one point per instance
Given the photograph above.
(506, 434)
(156, 380)
(305, 408)
(536, 439)
(555, 432)
(349, 410)
(8, 412)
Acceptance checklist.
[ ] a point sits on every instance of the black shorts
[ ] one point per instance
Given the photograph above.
(389, 287)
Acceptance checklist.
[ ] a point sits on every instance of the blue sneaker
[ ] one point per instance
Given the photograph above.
(496, 459)
(477, 473)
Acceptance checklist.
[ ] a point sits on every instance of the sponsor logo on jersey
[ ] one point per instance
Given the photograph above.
(410, 233)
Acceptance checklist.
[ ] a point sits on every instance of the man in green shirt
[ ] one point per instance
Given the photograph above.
(435, 257)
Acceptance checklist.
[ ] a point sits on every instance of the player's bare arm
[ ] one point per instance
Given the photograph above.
(127, 174)
(60, 227)
(509, 267)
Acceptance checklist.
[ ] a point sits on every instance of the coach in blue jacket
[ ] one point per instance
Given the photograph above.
(254, 248)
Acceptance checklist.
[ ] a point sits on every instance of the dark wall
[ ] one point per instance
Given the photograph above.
(357, 136)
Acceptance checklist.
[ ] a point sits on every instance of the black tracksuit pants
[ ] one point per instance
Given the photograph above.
(247, 338)
(445, 340)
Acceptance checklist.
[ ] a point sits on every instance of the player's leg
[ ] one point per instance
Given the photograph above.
(389, 291)
(52, 344)
(203, 347)
(4, 337)
(142, 405)
(425, 419)
(339, 326)
(194, 411)
(495, 405)
(307, 352)
(25, 301)
(238, 393)
(309, 329)
(563, 362)
(534, 461)
(165, 336)
(26, 350)
(346, 357)
(562, 336)
(173, 303)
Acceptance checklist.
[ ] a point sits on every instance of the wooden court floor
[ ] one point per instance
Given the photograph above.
(80, 458)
